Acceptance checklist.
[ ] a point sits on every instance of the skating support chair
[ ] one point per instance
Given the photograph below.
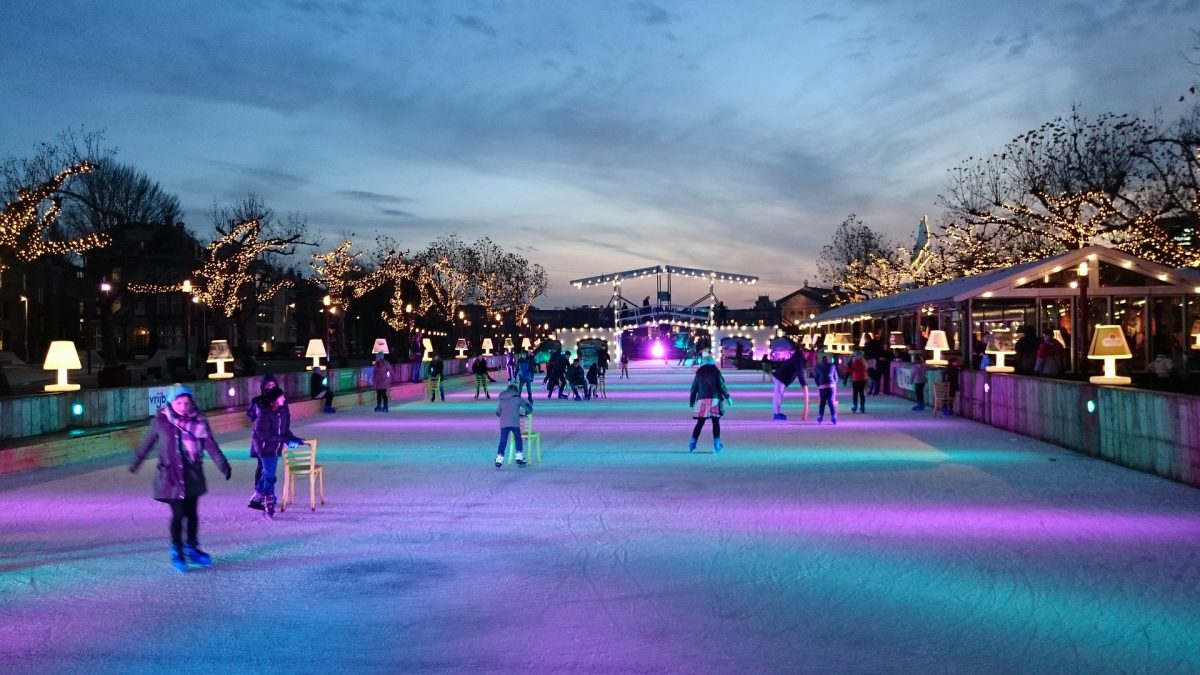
(302, 461)
(942, 398)
(433, 386)
(599, 389)
(530, 439)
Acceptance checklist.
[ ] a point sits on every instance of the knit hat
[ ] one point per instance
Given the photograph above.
(178, 390)
(272, 393)
(267, 382)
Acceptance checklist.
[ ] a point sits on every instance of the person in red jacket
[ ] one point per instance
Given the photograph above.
(858, 382)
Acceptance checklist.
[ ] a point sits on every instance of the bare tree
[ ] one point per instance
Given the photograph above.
(859, 263)
(345, 280)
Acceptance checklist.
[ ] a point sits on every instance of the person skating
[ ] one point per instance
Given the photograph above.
(268, 381)
(480, 368)
(918, 381)
(510, 409)
(381, 378)
(318, 387)
(437, 369)
(270, 432)
(593, 380)
(578, 380)
(858, 382)
(791, 370)
(826, 376)
(525, 374)
(708, 399)
(624, 366)
(182, 436)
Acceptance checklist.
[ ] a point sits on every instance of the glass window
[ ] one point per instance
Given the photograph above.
(1130, 314)
(1168, 335)
(1115, 275)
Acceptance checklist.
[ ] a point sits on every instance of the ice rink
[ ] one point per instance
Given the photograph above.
(893, 542)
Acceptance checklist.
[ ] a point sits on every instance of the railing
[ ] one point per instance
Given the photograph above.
(657, 314)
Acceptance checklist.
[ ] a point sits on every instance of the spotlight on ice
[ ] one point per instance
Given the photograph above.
(656, 350)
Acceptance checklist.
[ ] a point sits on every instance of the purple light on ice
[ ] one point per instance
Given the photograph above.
(656, 350)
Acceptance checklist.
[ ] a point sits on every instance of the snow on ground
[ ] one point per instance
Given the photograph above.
(893, 542)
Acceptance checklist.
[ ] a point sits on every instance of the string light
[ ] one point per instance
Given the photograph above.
(24, 226)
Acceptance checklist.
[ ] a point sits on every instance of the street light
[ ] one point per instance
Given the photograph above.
(187, 325)
(1081, 330)
(25, 301)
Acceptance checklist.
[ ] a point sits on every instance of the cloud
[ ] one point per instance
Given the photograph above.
(374, 197)
(476, 24)
(397, 212)
(650, 14)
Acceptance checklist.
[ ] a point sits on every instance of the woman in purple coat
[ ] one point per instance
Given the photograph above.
(182, 436)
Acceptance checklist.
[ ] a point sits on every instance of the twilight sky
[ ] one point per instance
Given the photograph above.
(591, 136)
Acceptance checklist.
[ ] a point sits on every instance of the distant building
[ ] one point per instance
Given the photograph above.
(1183, 230)
(801, 305)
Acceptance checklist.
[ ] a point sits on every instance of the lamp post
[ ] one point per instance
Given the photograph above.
(187, 323)
(327, 301)
(1081, 326)
(25, 301)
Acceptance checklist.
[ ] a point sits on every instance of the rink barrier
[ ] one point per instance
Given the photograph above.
(1152, 431)
(40, 431)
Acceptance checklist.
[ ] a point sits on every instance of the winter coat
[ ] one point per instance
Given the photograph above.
(177, 477)
(575, 375)
(271, 429)
(318, 383)
(381, 374)
(524, 370)
(825, 374)
(708, 383)
(480, 366)
(791, 370)
(918, 373)
(1050, 358)
(437, 367)
(858, 369)
(511, 408)
(593, 374)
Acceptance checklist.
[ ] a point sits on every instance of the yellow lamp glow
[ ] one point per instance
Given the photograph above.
(487, 346)
(1000, 342)
(428, 344)
(1108, 343)
(896, 340)
(840, 344)
(380, 346)
(62, 357)
(864, 339)
(937, 344)
(1196, 334)
(526, 343)
(316, 352)
(508, 343)
(461, 347)
(219, 353)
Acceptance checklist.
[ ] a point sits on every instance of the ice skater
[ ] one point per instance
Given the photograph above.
(708, 400)
(268, 381)
(624, 366)
(270, 432)
(918, 381)
(858, 382)
(318, 387)
(437, 369)
(525, 374)
(782, 377)
(826, 376)
(510, 409)
(381, 378)
(182, 436)
(480, 368)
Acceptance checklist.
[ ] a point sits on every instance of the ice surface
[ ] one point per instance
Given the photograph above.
(893, 542)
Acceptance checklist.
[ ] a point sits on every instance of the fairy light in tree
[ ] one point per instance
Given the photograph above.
(226, 279)
(25, 226)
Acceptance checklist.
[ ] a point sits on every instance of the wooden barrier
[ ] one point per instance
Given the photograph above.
(41, 431)
(1152, 431)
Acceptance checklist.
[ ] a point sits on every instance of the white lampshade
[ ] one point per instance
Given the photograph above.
(896, 340)
(937, 343)
(428, 344)
(863, 339)
(62, 357)
(508, 343)
(460, 346)
(526, 343)
(487, 346)
(807, 341)
(1196, 334)
(316, 352)
(1000, 342)
(219, 353)
(1108, 343)
(380, 346)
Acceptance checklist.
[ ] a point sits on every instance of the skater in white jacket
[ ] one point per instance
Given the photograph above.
(509, 410)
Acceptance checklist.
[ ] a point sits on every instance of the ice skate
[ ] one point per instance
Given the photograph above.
(177, 558)
(256, 501)
(520, 459)
(499, 461)
(196, 556)
(779, 417)
(269, 506)
(692, 445)
(717, 446)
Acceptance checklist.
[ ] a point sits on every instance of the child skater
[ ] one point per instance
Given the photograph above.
(509, 410)
(183, 436)
(268, 382)
(270, 431)
(708, 399)
(826, 376)
(381, 378)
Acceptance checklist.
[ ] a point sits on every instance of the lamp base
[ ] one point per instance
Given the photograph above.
(936, 362)
(220, 376)
(1105, 379)
(62, 387)
(1000, 369)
